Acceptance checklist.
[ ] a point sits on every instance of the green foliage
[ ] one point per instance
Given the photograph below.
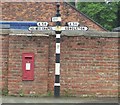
(68, 93)
(119, 94)
(72, 2)
(49, 93)
(104, 14)
(5, 92)
(34, 95)
(21, 93)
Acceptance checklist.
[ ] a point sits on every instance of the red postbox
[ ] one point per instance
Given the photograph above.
(28, 66)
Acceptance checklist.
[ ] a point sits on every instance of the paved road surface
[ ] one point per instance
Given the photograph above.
(10, 99)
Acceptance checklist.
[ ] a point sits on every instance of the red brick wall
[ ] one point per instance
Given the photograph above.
(21, 44)
(0, 62)
(4, 40)
(89, 65)
(42, 11)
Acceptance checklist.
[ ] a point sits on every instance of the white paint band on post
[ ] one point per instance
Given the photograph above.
(56, 84)
(57, 35)
(57, 68)
(57, 48)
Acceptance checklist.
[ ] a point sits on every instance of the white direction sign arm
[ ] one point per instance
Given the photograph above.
(35, 28)
(43, 26)
(76, 28)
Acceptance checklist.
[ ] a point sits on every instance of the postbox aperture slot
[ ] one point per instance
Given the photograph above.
(28, 58)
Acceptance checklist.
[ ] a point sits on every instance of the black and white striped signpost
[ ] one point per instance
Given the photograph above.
(57, 64)
(43, 26)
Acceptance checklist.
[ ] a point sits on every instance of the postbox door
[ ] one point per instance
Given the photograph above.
(28, 66)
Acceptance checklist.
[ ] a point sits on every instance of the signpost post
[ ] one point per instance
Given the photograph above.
(43, 26)
(57, 64)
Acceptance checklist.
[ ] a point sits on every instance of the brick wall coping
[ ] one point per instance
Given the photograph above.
(90, 33)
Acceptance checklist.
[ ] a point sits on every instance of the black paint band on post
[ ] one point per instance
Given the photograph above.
(57, 61)
(57, 58)
(57, 67)
(57, 91)
(57, 78)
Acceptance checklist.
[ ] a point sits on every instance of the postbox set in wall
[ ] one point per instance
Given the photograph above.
(28, 66)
